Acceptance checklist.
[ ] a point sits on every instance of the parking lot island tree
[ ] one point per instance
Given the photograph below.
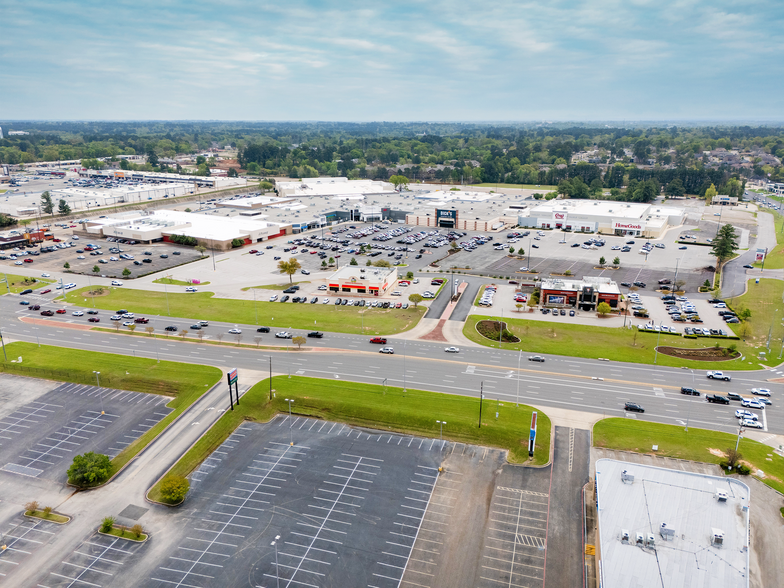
(174, 488)
(725, 244)
(290, 267)
(89, 469)
(415, 299)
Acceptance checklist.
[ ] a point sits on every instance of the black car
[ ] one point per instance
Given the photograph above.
(716, 398)
(748, 266)
(575, 244)
(171, 328)
(314, 300)
(164, 256)
(196, 327)
(338, 302)
(626, 284)
(23, 292)
(176, 253)
(316, 334)
(538, 358)
(689, 391)
(733, 396)
(263, 330)
(92, 312)
(295, 300)
(633, 407)
(137, 262)
(640, 284)
(716, 301)
(147, 260)
(345, 301)
(289, 290)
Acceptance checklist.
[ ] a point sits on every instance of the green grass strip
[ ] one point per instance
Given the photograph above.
(674, 441)
(184, 382)
(385, 409)
(173, 282)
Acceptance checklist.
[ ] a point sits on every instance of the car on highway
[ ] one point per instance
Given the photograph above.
(263, 330)
(316, 334)
(379, 340)
(734, 396)
(283, 335)
(717, 399)
(452, 350)
(751, 424)
(92, 312)
(235, 331)
(745, 414)
(127, 323)
(191, 289)
(45, 291)
(23, 292)
(760, 391)
(77, 313)
(35, 307)
(717, 375)
(45, 275)
(171, 328)
(60, 311)
(196, 327)
(538, 358)
(752, 403)
(47, 313)
(689, 391)
(115, 317)
(387, 350)
(633, 407)
(94, 319)
(141, 320)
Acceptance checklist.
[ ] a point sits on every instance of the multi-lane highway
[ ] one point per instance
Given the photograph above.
(588, 385)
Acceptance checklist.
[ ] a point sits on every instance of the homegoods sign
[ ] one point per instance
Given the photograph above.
(628, 225)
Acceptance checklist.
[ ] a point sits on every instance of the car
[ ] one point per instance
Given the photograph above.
(94, 319)
(61, 311)
(314, 300)
(452, 350)
(47, 313)
(751, 424)
(191, 289)
(305, 272)
(273, 298)
(253, 251)
(748, 266)
(745, 414)
(276, 258)
(28, 260)
(682, 247)
(316, 334)
(17, 263)
(752, 403)
(164, 256)
(196, 327)
(396, 293)
(387, 350)
(325, 301)
(380, 340)
(716, 375)
(761, 391)
(571, 313)
(81, 257)
(141, 320)
(235, 331)
(146, 260)
(720, 305)
(116, 283)
(689, 391)
(283, 335)
(538, 358)
(127, 323)
(322, 288)
(715, 398)
(171, 328)
(45, 275)
(77, 313)
(92, 311)
(734, 396)
(633, 407)
(116, 317)
(285, 298)
(290, 290)
(176, 253)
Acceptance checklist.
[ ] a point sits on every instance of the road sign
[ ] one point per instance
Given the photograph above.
(532, 437)
(232, 376)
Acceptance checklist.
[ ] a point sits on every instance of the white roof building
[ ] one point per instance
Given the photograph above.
(661, 527)
(344, 187)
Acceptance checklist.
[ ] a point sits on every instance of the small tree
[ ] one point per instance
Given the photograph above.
(409, 275)
(31, 507)
(299, 341)
(744, 330)
(96, 269)
(603, 309)
(368, 264)
(415, 299)
(201, 249)
(602, 261)
(183, 334)
(126, 272)
(511, 249)
(324, 263)
(63, 208)
(188, 210)
(519, 307)
(150, 330)
(617, 260)
(353, 262)
(290, 267)
(453, 245)
(238, 338)
(744, 314)
(220, 336)
(733, 457)
(47, 510)
(521, 251)
(89, 469)
(107, 524)
(331, 261)
(132, 327)
(257, 340)
(382, 263)
(67, 265)
(200, 335)
(174, 488)
(679, 284)
(47, 205)
(137, 530)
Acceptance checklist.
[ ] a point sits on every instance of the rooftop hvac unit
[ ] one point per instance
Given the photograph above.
(717, 537)
(639, 541)
(650, 541)
(625, 536)
(627, 477)
(667, 533)
(720, 495)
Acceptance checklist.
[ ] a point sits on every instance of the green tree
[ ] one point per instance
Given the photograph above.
(67, 265)
(603, 308)
(521, 251)
(232, 173)
(126, 272)
(200, 159)
(96, 269)
(710, 193)
(89, 469)
(237, 243)
(415, 299)
(174, 488)
(299, 341)
(602, 261)
(744, 314)
(353, 262)
(265, 186)
(47, 205)
(409, 275)
(289, 267)
(400, 182)
(63, 208)
(382, 263)
(368, 264)
(675, 188)
(324, 263)
(201, 249)
(331, 261)
(511, 249)
(725, 244)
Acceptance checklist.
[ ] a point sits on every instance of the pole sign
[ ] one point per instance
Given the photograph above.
(532, 437)
(232, 375)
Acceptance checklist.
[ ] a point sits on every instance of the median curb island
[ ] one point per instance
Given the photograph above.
(147, 537)
(29, 516)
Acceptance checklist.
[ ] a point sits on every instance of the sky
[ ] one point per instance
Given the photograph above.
(403, 60)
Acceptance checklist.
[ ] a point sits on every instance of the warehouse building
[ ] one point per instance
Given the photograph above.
(164, 178)
(585, 294)
(333, 187)
(661, 527)
(634, 219)
(352, 279)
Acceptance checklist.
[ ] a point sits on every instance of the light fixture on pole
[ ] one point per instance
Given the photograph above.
(291, 440)
(441, 434)
(100, 394)
(517, 397)
(277, 574)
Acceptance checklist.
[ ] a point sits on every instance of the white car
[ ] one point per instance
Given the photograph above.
(283, 335)
(397, 293)
(191, 289)
(752, 403)
(751, 424)
(428, 295)
(44, 275)
(760, 391)
(128, 323)
(720, 305)
(116, 317)
(524, 269)
(80, 257)
(128, 315)
(235, 331)
(322, 288)
(113, 259)
(452, 350)
(116, 283)
(387, 350)
(325, 301)
(77, 313)
(17, 263)
(273, 298)
(745, 414)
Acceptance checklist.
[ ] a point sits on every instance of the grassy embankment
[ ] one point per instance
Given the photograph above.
(382, 408)
(185, 383)
(203, 306)
(696, 445)
(173, 282)
(17, 284)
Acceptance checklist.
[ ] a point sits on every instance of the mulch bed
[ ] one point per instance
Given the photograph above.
(704, 354)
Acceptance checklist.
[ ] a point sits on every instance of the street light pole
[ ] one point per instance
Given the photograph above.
(255, 304)
(277, 574)
(517, 397)
(168, 311)
(291, 440)
(688, 412)
(441, 434)
(404, 366)
(100, 394)
(656, 354)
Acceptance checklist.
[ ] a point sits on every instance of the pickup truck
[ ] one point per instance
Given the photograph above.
(719, 376)
(716, 398)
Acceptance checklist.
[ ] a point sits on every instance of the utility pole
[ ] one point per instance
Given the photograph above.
(481, 397)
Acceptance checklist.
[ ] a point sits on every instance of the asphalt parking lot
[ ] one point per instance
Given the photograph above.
(22, 536)
(40, 438)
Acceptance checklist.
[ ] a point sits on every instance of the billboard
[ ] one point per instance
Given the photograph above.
(553, 299)
(559, 216)
(628, 225)
(761, 253)
(232, 376)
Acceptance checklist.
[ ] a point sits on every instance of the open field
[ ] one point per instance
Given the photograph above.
(382, 408)
(696, 445)
(202, 306)
(15, 285)
(185, 382)
(764, 300)
(616, 344)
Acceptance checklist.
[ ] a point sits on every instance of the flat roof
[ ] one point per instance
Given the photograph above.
(686, 503)
(333, 187)
(375, 274)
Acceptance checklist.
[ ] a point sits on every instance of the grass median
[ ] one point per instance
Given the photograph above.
(16, 284)
(614, 343)
(185, 383)
(764, 300)
(382, 408)
(696, 445)
(173, 282)
(203, 306)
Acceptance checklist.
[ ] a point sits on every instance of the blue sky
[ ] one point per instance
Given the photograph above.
(395, 61)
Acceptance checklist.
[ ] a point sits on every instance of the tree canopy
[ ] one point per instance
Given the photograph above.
(89, 469)
(725, 244)
(289, 267)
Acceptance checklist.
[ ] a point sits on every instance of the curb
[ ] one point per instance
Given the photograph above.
(145, 540)
(48, 520)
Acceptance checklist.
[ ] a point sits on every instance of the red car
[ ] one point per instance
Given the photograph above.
(253, 251)
(28, 260)
(60, 311)
(46, 291)
(313, 252)
(380, 340)
(94, 319)
(47, 313)
(141, 320)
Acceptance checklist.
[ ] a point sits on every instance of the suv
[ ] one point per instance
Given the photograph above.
(689, 391)
(633, 407)
(263, 330)
(734, 396)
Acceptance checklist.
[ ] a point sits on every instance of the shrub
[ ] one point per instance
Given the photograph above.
(89, 469)
(137, 530)
(174, 489)
(743, 470)
(31, 506)
(47, 511)
(107, 524)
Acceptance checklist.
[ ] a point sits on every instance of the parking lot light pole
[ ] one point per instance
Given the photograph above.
(277, 574)
(656, 354)
(688, 412)
(441, 434)
(291, 440)
(517, 397)
(100, 394)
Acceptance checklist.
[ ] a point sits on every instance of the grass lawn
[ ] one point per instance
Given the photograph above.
(202, 306)
(614, 343)
(764, 300)
(282, 286)
(173, 282)
(543, 187)
(52, 516)
(16, 283)
(184, 382)
(369, 405)
(124, 533)
(673, 441)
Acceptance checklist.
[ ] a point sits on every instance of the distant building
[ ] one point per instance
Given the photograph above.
(352, 279)
(725, 200)
(1, 133)
(585, 294)
(333, 187)
(13, 133)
